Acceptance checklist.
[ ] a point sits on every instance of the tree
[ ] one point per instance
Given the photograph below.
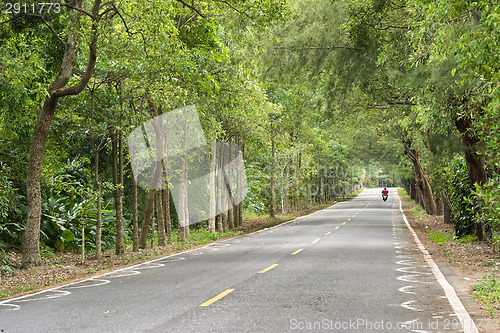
(56, 90)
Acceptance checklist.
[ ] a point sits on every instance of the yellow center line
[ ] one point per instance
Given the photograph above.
(344, 223)
(329, 232)
(222, 294)
(315, 241)
(268, 268)
(337, 227)
(297, 251)
(348, 219)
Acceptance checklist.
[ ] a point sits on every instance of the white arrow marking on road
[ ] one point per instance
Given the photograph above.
(405, 290)
(408, 305)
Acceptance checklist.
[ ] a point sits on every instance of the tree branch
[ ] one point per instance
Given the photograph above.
(48, 26)
(234, 8)
(77, 88)
(127, 29)
(192, 8)
(83, 11)
(11, 21)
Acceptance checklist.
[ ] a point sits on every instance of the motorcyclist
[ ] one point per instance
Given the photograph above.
(385, 191)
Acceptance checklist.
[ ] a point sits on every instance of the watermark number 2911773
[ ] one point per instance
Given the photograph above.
(33, 8)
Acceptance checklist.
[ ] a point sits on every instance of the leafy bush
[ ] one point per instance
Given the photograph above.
(488, 209)
(59, 215)
(62, 220)
(460, 194)
(488, 194)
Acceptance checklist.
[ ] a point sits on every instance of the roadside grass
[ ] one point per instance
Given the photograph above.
(203, 236)
(416, 211)
(487, 291)
(356, 192)
(465, 239)
(438, 237)
(251, 214)
(402, 193)
(21, 288)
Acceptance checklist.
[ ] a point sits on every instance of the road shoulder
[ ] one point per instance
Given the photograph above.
(460, 272)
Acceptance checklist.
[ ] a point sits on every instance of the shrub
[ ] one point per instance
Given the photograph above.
(460, 194)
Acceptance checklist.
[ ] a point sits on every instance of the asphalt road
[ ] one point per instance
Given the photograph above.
(352, 267)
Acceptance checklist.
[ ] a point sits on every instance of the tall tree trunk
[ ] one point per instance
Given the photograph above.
(231, 204)
(413, 189)
(83, 242)
(158, 170)
(230, 198)
(220, 192)
(143, 241)
(282, 190)
(225, 213)
(240, 189)
(183, 211)
(298, 176)
(447, 210)
(286, 191)
(135, 218)
(98, 227)
(213, 187)
(424, 190)
(95, 150)
(153, 224)
(475, 164)
(31, 250)
(56, 90)
(272, 206)
(160, 212)
(118, 184)
(165, 194)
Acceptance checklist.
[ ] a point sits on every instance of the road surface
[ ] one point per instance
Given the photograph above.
(353, 267)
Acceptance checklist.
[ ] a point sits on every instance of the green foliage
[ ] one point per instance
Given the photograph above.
(488, 194)
(6, 262)
(8, 200)
(71, 179)
(10, 228)
(63, 219)
(438, 237)
(60, 215)
(416, 208)
(460, 193)
(466, 239)
(203, 236)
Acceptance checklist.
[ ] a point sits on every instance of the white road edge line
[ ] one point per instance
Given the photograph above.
(463, 316)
